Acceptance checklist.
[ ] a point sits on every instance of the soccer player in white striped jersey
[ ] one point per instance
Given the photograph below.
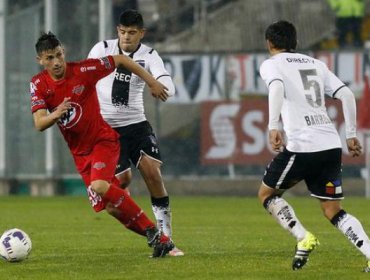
(122, 106)
(297, 84)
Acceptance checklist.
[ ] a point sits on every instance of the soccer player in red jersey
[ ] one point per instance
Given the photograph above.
(64, 93)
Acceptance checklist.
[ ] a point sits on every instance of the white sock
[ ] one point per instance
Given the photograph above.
(163, 217)
(285, 216)
(353, 230)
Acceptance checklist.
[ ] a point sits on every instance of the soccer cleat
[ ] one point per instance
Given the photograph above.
(367, 268)
(176, 252)
(303, 249)
(160, 243)
(152, 234)
(163, 247)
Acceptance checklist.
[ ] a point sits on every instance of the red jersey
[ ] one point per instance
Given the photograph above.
(82, 126)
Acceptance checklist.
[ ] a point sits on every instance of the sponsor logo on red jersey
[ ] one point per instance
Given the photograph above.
(99, 165)
(88, 68)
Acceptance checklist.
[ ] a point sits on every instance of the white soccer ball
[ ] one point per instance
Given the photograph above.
(15, 245)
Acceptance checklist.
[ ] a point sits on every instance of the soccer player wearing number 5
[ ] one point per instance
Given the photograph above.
(64, 93)
(297, 84)
(122, 106)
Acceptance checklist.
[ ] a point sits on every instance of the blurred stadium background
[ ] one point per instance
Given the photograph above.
(212, 134)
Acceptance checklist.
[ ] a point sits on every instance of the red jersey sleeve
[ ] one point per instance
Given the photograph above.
(37, 94)
(96, 69)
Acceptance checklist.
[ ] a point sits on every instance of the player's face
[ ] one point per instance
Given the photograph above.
(129, 37)
(54, 62)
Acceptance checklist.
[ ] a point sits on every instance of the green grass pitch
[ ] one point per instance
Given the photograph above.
(223, 238)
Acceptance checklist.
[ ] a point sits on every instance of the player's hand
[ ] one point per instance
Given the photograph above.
(354, 147)
(62, 108)
(276, 140)
(158, 90)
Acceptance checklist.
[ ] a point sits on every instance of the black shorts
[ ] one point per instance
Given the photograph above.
(135, 140)
(321, 171)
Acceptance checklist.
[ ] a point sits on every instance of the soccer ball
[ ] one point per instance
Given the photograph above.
(15, 245)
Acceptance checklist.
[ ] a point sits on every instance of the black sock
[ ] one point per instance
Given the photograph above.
(161, 202)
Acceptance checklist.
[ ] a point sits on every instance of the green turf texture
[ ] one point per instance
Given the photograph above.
(223, 238)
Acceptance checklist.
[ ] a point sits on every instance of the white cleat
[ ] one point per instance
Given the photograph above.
(176, 252)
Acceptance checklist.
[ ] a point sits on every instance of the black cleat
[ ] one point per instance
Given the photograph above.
(299, 262)
(152, 235)
(160, 243)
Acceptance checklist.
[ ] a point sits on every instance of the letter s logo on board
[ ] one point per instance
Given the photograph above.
(223, 131)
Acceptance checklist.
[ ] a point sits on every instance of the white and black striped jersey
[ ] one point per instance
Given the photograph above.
(121, 93)
(306, 80)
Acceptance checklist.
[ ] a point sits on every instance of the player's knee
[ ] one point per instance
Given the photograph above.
(264, 193)
(100, 187)
(330, 209)
(329, 213)
(261, 195)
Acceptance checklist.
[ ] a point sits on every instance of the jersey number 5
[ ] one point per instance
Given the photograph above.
(311, 83)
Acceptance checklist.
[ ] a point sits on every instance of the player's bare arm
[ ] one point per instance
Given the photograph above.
(43, 120)
(354, 147)
(276, 140)
(157, 89)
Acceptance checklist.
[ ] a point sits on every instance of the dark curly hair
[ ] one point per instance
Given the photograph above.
(283, 35)
(47, 41)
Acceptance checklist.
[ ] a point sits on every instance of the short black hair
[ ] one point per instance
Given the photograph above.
(131, 18)
(283, 35)
(47, 41)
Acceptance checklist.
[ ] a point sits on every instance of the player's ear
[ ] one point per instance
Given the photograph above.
(143, 31)
(38, 58)
(117, 28)
(269, 45)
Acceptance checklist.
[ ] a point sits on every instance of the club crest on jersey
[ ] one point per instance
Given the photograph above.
(71, 117)
(334, 187)
(78, 89)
